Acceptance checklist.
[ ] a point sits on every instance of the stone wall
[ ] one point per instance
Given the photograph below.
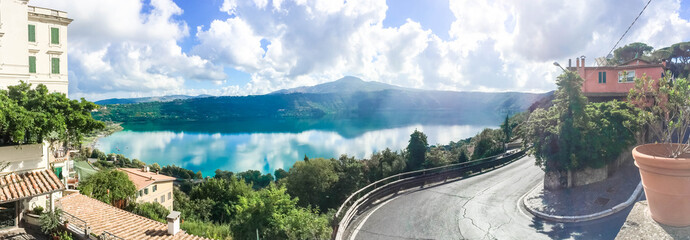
(567, 179)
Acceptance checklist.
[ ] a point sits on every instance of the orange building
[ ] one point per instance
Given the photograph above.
(605, 83)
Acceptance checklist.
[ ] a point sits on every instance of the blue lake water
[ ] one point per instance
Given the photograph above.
(267, 145)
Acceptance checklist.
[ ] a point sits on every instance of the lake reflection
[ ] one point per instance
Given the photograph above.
(236, 151)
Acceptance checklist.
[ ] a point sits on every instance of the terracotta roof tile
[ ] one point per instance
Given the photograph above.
(103, 217)
(143, 179)
(16, 186)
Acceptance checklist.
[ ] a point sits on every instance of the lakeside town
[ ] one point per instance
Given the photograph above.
(601, 157)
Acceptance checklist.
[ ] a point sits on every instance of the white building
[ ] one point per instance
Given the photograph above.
(33, 45)
(33, 49)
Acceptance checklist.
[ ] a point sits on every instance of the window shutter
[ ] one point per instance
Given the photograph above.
(55, 35)
(32, 64)
(32, 33)
(604, 77)
(55, 66)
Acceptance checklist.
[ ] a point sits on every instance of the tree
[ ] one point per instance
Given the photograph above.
(487, 143)
(154, 211)
(416, 150)
(224, 174)
(275, 215)
(557, 133)
(631, 51)
(350, 177)
(507, 129)
(255, 178)
(437, 156)
(33, 115)
(109, 186)
(280, 174)
(155, 167)
(311, 182)
(462, 157)
(225, 194)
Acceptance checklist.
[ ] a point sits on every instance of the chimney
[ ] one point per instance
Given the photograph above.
(583, 60)
(173, 222)
(577, 62)
(570, 63)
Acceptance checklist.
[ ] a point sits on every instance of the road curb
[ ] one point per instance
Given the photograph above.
(588, 217)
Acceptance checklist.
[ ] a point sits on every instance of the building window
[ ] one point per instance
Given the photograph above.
(604, 81)
(55, 65)
(169, 196)
(602, 77)
(146, 190)
(162, 198)
(54, 35)
(155, 187)
(32, 64)
(32, 33)
(626, 76)
(141, 193)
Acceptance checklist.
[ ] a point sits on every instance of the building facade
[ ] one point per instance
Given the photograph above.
(605, 83)
(151, 186)
(26, 182)
(33, 45)
(33, 49)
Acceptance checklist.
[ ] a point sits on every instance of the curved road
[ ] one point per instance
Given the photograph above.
(480, 207)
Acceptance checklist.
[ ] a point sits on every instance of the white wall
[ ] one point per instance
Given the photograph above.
(14, 57)
(15, 47)
(24, 157)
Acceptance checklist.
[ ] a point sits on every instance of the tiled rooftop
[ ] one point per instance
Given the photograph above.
(142, 179)
(103, 217)
(15, 186)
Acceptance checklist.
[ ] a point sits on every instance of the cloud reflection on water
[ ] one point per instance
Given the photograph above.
(265, 151)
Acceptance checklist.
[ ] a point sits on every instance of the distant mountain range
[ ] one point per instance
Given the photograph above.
(348, 97)
(146, 99)
(344, 85)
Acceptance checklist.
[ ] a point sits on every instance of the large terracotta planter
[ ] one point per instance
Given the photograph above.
(666, 183)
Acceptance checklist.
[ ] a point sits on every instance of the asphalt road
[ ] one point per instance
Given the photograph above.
(480, 207)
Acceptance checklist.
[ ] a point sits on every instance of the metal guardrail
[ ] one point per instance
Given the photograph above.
(109, 236)
(360, 201)
(74, 222)
(80, 227)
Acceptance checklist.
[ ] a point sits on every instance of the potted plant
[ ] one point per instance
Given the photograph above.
(50, 221)
(664, 164)
(32, 217)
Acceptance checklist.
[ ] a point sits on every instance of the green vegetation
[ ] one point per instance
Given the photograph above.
(154, 211)
(92, 137)
(33, 115)
(50, 221)
(676, 55)
(664, 110)
(206, 229)
(416, 150)
(178, 172)
(317, 105)
(109, 186)
(118, 160)
(573, 134)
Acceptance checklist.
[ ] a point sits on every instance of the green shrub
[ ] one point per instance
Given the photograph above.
(154, 211)
(38, 210)
(50, 221)
(207, 229)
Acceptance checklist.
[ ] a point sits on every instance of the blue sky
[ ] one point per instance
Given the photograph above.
(133, 48)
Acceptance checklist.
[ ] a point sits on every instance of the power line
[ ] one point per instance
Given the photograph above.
(631, 24)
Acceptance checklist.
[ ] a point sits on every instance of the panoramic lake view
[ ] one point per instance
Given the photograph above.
(269, 145)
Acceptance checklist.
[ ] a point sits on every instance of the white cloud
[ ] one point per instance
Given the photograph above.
(114, 47)
(500, 45)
